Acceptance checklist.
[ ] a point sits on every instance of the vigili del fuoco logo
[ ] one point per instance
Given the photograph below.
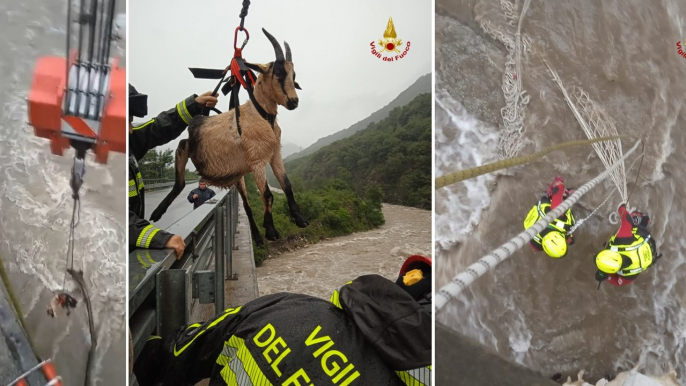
(680, 49)
(390, 48)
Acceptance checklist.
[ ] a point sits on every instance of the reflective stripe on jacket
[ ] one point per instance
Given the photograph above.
(561, 224)
(641, 251)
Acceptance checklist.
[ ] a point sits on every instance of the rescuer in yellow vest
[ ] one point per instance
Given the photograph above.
(554, 238)
(631, 251)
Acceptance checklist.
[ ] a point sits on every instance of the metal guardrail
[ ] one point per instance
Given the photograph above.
(163, 183)
(163, 290)
(17, 342)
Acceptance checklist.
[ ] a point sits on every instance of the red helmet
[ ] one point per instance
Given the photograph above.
(556, 181)
(418, 284)
(413, 262)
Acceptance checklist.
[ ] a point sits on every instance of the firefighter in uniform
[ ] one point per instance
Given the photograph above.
(553, 239)
(628, 253)
(166, 127)
(371, 332)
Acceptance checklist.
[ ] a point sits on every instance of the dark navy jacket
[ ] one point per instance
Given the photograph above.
(203, 195)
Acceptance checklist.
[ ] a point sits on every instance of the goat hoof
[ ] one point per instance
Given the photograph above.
(300, 221)
(259, 242)
(271, 235)
(156, 215)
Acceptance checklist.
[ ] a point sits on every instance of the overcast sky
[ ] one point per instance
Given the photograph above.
(342, 82)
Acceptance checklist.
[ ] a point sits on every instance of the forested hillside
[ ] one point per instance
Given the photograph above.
(421, 86)
(391, 158)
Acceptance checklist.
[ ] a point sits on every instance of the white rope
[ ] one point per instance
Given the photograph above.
(488, 262)
(578, 223)
(583, 220)
(515, 97)
(596, 123)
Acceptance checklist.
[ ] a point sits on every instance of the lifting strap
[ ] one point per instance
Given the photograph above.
(240, 75)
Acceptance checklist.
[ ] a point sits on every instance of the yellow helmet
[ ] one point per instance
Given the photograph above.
(608, 261)
(554, 244)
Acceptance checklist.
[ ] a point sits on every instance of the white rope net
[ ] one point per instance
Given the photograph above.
(596, 123)
(516, 99)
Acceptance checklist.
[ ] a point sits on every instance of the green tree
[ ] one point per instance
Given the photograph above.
(393, 155)
(155, 164)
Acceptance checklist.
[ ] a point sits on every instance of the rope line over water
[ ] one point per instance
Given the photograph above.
(466, 174)
(488, 262)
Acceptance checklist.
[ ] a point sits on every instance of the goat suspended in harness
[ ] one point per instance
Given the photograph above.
(240, 75)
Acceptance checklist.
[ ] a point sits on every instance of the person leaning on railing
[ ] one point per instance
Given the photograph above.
(166, 127)
(201, 194)
(373, 331)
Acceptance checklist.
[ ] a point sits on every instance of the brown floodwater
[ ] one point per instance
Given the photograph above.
(548, 314)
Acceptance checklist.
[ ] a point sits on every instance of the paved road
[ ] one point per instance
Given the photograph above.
(9, 369)
(176, 211)
(466, 362)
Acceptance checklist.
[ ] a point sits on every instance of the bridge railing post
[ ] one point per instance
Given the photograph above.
(219, 241)
(174, 294)
(165, 289)
(234, 220)
(229, 241)
(235, 214)
(231, 211)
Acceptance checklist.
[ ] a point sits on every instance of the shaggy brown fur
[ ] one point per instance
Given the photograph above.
(223, 157)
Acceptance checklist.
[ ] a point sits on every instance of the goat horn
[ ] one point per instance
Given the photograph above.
(288, 52)
(275, 43)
